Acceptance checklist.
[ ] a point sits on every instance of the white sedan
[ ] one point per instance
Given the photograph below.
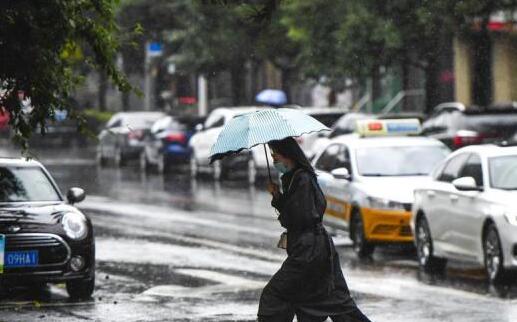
(252, 161)
(468, 211)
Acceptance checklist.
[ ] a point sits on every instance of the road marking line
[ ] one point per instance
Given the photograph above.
(139, 227)
(218, 277)
(171, 215)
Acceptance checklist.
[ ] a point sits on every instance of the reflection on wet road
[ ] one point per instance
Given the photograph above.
(172, 248)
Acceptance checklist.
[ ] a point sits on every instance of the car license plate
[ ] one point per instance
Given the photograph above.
(2, 247)
(24, 258)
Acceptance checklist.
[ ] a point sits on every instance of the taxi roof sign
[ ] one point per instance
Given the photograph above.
(389, 127)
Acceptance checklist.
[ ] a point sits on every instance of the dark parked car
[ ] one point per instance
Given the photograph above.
(166, 143)
(458, 126)
(122, 138)
(59, 130)
(43, 238)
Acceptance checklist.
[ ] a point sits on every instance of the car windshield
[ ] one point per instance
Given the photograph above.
(328, 119)
(21, 184)
(140, 121)
(399, 160)
(492, 125)
(503, 172)
(347, 124)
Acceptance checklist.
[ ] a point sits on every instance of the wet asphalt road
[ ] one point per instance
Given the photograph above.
(170, 248)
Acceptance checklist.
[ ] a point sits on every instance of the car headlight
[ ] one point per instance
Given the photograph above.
(511, 217)
(75, 225)
(381, 203)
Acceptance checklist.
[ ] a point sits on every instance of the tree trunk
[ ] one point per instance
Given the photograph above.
(238, 83)
(431, 86)
(482, 83)
(376, 84)
(103, 89)
(125, 101)
(406, 84)
(286, 83)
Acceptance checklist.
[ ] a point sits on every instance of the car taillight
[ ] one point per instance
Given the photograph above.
(176, 137)
(135, 135)
(463, 138)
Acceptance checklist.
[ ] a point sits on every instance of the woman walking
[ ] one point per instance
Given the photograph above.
(310, 283)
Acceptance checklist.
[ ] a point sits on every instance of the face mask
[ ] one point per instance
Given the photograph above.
(280, 167)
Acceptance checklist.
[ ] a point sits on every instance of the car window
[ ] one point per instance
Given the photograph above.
(214, 120)
(503, 172)
(414, 160)
(328, 119)
(343, 159)
(141, 121)
(492, 125)
(453, 167)
(347, 124)
(472, 168)
(161, 124)
(22, 184)
(328, 160)
(441, 120)
(114, 122)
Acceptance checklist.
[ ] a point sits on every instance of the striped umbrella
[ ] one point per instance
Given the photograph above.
(260, 127)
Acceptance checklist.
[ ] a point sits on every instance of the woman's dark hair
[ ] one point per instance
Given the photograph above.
(290, 149)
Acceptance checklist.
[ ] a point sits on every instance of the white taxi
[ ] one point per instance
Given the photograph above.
(368, 179)
(252, 161)
(468, 212)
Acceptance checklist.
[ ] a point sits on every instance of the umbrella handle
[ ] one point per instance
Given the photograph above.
(267, 162)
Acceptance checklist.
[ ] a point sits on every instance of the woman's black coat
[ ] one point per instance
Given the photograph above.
(310, 281)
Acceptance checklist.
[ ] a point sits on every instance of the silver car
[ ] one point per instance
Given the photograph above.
(122, 138)
(468, 211)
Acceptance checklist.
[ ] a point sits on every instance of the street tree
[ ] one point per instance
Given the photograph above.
(38, 41)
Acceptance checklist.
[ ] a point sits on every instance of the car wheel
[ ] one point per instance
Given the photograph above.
(493, 256)
(424, 248)
(217, 170)
(362, 247)
(193, 166)
(81, 288)
(119, 158)
(143, 163)
(252, 171)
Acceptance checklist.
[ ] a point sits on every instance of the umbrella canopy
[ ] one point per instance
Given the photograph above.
(259, 127)
(271, 97)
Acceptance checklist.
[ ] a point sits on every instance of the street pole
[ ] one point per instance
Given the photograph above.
(202, 93)
(147, 80)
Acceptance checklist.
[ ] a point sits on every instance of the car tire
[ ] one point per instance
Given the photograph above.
(424, 248)
(119, 158)
(362, 247)
(493, 256)
(252, 171)
(81, 288)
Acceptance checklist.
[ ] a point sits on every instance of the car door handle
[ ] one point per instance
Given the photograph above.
(431, 194)
(453, 198)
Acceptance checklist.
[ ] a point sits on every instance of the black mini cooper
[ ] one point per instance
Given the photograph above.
(43, 237)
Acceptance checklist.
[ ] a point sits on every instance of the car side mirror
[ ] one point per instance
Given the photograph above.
(75, 195)
(466, 184)
(341, 174)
